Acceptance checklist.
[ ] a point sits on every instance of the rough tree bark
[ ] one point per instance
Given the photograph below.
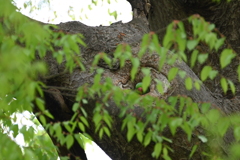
(159, 14)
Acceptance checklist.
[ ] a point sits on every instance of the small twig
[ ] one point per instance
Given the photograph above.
(61, 88)
(64, 94)
(55, 75)
(163, 29)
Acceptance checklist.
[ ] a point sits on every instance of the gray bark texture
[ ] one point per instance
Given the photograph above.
(158, 13)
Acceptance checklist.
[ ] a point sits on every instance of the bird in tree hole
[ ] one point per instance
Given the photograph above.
(139, 89)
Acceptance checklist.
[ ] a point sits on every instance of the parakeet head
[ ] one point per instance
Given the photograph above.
(139, 89)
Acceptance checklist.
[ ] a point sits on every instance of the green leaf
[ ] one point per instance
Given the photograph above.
(147, 138)
(81, 126)
(181, 38)
(39, 89)
(182, 74)
(160, 87)
(84, 101)
(172, 59)
(81, 138)
(84, 120)
(118, 51)
(211, 27)
(194, 58)
(83, 111)
(202, 58)
(213, 74)
(25, 5)
(238, 72)
(187, 129)
(191, 44)
(167, 40)
(157, 149)
(174, 123)
(96, 59)
(219, 43)
(101, 131)
(146, 80)
(183, 56)
(226, 57)
(167, 139)
(29, 154)
(194, 148)
(188, 83)
(213, 116)
(146, 83)
(223, 125)
(75, 107)
(69, 141)
(146, 71)
(205, 107)
(47, 113)
(43, 119)
(234, 150)
(124, 123)
(173, 100)
(135, 65)
(107, 59)
(237, 133)
(210, 39)
(107, 119)
(205, 72)
(162, 60)
(203, 138)
(40, 104)
(107, 131)
(172, 73)
(58, 129)
(144, 45)
(224, 85)
(232, 86)
(97, 117)
(140, 136)
(97, 78)
(66, 125)
(197, 85)
(182, 104)
(165, 154)
(155, 41)
(14, 128)
(181, 27)
(131, 130)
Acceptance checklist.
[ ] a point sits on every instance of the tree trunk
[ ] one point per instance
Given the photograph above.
(61, 96)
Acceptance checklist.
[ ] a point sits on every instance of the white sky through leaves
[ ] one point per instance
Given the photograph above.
(80, 10)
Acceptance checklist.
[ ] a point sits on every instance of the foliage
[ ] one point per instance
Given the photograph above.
(21, 39)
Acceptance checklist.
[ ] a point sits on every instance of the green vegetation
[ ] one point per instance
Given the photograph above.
(21, 39)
